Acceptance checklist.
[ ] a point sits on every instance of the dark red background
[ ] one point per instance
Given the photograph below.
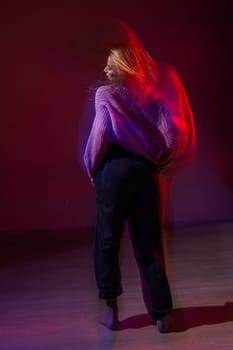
(51, 52)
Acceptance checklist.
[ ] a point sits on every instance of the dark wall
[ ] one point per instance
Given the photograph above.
(52, 52)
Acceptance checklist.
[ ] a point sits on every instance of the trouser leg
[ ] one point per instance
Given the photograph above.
(106, 253)
(110, 208)
(145, 229)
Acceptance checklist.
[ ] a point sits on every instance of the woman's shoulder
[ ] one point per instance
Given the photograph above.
(104, 89)
(103, 93)
(110, 93)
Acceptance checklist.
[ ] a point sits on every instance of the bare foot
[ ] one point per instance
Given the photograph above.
(110, 319)
(164, 325)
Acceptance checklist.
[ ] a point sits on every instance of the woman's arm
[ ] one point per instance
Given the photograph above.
(98, 142)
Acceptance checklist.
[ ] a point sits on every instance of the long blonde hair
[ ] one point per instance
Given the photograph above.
(133, 61)
(135, 64)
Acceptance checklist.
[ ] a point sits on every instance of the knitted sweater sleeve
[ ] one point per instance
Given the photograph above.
(98, 142)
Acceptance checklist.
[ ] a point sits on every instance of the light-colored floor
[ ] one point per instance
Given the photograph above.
(48, 296)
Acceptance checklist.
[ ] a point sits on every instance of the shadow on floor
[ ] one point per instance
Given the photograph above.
(186, 318)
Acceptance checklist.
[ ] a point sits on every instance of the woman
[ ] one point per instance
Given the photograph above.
(136, 134)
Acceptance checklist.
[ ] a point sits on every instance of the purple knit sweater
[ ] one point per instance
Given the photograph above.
(144, 130)
(155, 130)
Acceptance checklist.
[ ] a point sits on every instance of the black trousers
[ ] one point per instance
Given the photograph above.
(126, 190)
